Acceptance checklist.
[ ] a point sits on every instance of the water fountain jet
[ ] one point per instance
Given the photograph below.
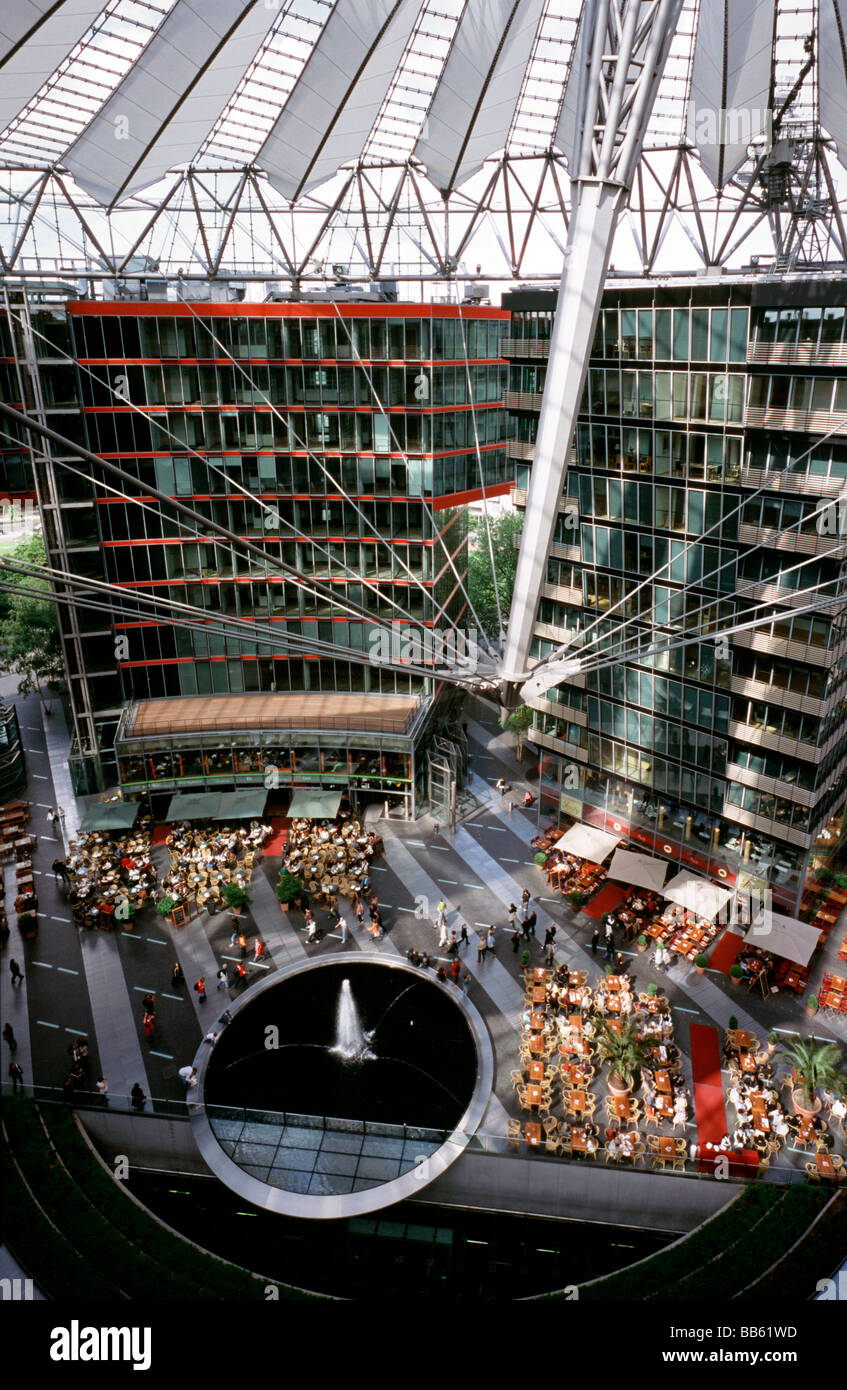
(351, 1040)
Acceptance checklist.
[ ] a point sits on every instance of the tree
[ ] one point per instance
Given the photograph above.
(624, 1051)
(819, 1064)
(504, 530)
(29, 629)
(518, 721)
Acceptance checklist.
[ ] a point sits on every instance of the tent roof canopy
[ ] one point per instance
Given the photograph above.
(640, 869)
(110, 815)
(238, 805)
(784, 936)
(697, 894)
(587, 842)
(310, 803)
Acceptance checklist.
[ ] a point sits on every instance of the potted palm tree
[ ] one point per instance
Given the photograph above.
(288, 889)
(625, 1053)
(815, 1064)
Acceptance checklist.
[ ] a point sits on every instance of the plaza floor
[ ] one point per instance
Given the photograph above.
(92, 983)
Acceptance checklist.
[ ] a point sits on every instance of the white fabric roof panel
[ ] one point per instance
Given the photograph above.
(832, 71)
(639, 869)
(336, 99)
(786, 937)
(730, 82)
(164, 108)
(697, 895)
(566, 130)
(45, 41)
(587, 842)
(473, 105)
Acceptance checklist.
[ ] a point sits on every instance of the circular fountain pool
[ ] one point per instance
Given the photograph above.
(342, 1086)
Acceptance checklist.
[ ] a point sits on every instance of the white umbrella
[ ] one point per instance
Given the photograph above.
(640, 869)
(586, 842)
(784, 936)
(697, 895)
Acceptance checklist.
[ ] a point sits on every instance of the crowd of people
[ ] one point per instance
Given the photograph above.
(331, 859)
(107, 876)
(205, 857)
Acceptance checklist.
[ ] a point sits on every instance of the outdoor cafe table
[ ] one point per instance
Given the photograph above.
(533, 1132)
(533, 1095)
(539, 994)
(806, 1132)
(537, 1021)
(744, 1041)
(663, 1082)
(578, 1077)
(615, 1024)
(578, 1101)
(539, 976)
(536, 1071)
(622, 1107)
(575, 1022)
(576, 978)
(664, 1107)
(579, 1141)
(616, 982)
(537, 1045)
(667, 1147)
(747, 1061)
(575, 1047)
(826, 1167)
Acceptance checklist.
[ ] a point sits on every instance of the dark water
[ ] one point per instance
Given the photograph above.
(423, 1069)
(404, 1251)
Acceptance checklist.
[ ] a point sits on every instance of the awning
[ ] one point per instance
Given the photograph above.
(310, 803)
(697, 894)
(238, 805)
(586, 842)
(640, 869)
(785, 937)
(110, 815)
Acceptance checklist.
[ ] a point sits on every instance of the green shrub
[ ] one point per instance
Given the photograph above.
(166, 905)
(288, 888)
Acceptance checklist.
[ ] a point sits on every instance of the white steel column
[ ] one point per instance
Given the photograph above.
(617, 75)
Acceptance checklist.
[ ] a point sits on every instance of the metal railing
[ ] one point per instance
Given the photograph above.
(477, 1142)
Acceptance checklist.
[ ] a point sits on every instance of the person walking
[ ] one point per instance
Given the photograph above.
(595, 941)
(464, 939)
(9, 1037)
(489, 941)
(102, 1088)
(443, 936)
(223, 978)
(453, 946)
(50, 815)
(60, 815)
(149, 1003)
(200, 988)
(59, 870)
(481, 947)
(608, 943)
(501, 787)
(360, 914)
(466, 981)
(149, 1023)
(137, 1097)
(17, 1076)
(550, 955)
(342, 927)
(240, 974)
(177, 977)
(526, 898)
(15, 971)
(258, 949)
(442, 914)
(441, 974)
(455, 971)
(550, 934)
(529, 926)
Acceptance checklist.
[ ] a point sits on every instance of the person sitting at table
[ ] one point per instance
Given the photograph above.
(613, 1146)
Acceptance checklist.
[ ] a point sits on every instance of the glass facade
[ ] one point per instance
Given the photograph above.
(727, 754)
(365, 427)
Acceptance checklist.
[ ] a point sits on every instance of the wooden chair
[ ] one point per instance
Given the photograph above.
(812, 1172)
(514, 1134)
(517, 1077)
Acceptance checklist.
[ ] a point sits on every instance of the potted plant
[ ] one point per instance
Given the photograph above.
(524, 959)
(235, 897)
(815, 1064)
(840, 880)
(28, 925)
(812, 1004)
(736, 974)
(641, 943)
(625, 1053)
(166, 905)
(772, 1042)
(700, 963)
(651, 990)
(733, 1023)
(825, 875)
(576, 898)
(540, 858)
(288, 888)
